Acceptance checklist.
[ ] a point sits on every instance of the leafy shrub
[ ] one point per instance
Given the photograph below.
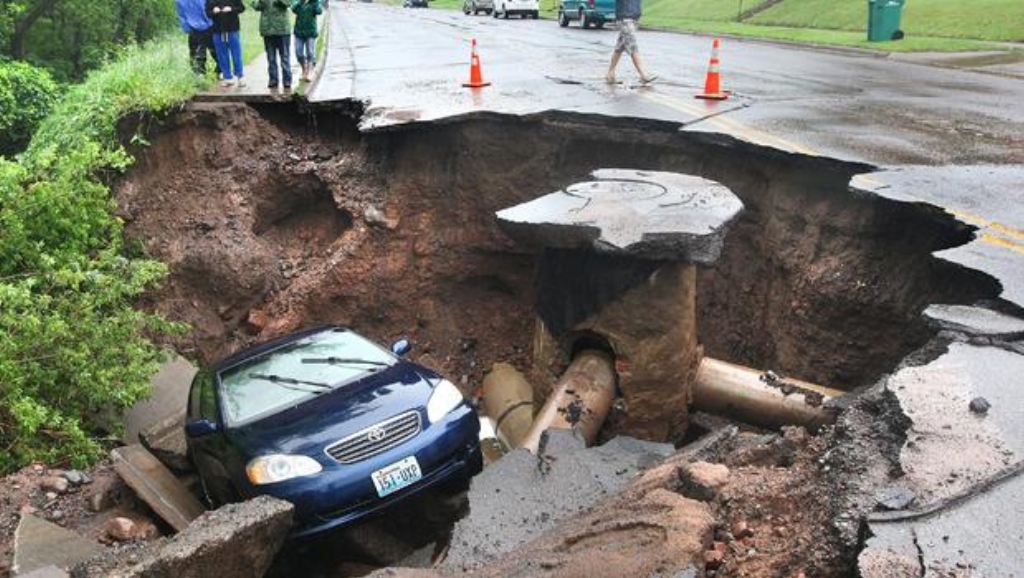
(74, 351)
(27, 94)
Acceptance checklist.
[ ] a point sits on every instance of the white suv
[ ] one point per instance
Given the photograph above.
(524, 8)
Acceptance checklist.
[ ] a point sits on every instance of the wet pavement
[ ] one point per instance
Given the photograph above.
(855, 105)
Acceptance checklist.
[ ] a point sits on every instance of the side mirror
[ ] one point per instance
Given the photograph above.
(200, 428)
(401, 347)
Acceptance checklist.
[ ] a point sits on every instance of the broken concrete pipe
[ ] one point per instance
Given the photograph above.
(580, 401)
(748, 395)
(508, 400)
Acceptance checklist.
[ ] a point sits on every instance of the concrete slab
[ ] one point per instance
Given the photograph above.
(47, 572)
(156, 486)
(974, 320)
(39, 544)
(649, 214)
(981, 534)
(168, 400)
(523, 495)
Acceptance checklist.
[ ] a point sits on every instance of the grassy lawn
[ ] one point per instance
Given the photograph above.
(1001, 20)
(252, 42)
(931, 25)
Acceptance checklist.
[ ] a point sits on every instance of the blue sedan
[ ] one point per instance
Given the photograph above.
(329, 421)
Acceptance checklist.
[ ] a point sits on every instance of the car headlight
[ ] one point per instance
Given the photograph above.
(445, 398)
(280, 467)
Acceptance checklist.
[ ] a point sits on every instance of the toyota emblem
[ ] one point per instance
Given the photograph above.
(376, 434)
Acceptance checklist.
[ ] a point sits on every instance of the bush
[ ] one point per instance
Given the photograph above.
(74, 352)
(27, 94)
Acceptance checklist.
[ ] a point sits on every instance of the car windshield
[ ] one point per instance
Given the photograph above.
(292, 374)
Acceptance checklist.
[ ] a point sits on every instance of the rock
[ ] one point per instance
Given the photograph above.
(55, 484)
(77, 478)
(57, 515)
(895, 497)
(51, 496)
(713, 558)
(103, 497)
(702, 480)
(126, 529)
(120, 528)
(741, 530)
(38, 544)
(980, 405)
(256, 321)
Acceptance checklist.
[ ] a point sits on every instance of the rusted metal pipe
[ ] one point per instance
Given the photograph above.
(508, 400)
(756, 397)
(580, 400)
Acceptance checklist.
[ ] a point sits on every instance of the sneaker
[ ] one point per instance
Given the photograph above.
(287, 87)
(241, 82)
(227, 82)
(272, 85)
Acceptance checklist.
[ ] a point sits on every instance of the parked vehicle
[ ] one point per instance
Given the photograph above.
(329, 421)
(477, 6)
(415, 4)
(524, 8)
(595, 13)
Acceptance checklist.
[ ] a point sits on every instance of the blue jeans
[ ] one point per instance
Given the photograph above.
(275, 46)
(229, 53)
(305, 50)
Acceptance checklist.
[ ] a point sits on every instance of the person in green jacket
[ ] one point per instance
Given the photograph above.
(306, 32)
(276, 29)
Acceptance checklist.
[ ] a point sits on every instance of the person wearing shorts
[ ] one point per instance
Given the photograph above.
(627, 13)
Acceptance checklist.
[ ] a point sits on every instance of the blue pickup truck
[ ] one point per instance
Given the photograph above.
(589, 12)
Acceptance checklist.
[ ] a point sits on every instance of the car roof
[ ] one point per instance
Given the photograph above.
(263, 348)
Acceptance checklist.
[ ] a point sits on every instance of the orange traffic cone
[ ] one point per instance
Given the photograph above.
(476, 76)
(712, 85)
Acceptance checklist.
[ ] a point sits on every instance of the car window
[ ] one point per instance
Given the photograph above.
(259, 387)
(193, 397)
(207, 399)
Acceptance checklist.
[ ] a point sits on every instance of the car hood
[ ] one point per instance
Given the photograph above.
(314, 424)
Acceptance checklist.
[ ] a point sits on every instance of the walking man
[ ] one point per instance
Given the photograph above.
(199, 27)
(627, 12)
(276, 29)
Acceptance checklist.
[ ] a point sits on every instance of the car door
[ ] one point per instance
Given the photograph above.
(571, 8)
(206, 439)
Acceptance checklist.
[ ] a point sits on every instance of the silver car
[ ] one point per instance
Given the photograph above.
(477, 6)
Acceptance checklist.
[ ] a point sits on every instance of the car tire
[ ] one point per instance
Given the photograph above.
(563, 19)
(584, 21)
(494, 13)
(599, 24)
(535, 15)
(504, 12)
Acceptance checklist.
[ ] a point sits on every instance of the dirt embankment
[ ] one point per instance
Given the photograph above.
(272, 221)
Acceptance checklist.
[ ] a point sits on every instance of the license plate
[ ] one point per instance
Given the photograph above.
(398, 475)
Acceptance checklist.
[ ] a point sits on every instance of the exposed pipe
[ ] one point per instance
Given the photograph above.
(580, 400)
(508, 400)
(747, 395)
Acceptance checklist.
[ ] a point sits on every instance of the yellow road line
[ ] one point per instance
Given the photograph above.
(1002, 242)
(728, 125)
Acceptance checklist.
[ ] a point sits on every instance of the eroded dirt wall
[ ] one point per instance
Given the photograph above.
(272, 220)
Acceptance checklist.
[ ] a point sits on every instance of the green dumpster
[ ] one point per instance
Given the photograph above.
(884, 20)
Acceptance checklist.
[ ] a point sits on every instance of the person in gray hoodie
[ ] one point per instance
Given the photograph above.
(627, 12)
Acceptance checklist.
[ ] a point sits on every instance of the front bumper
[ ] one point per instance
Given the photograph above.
(343, 493)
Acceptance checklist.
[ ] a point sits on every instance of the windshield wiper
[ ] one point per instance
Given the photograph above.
(344, 361)
(286, 381)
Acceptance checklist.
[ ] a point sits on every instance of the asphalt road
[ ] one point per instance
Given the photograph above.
(409, 65)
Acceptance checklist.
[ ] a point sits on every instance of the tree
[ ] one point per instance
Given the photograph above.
(27, 94)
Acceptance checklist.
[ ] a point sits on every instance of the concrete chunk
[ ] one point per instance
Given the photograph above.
(648, 214)
(156, 486)
(974, 320)
(235, 541)
(39, 544)
(521, 496)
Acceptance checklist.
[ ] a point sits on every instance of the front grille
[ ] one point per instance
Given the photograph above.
(376, 438)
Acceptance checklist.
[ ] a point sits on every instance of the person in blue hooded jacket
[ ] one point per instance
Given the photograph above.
(194, 21)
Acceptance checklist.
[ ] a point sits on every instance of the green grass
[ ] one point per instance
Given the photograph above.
(252, 42)
(822, 37)
(716, 10)
(998, 20)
